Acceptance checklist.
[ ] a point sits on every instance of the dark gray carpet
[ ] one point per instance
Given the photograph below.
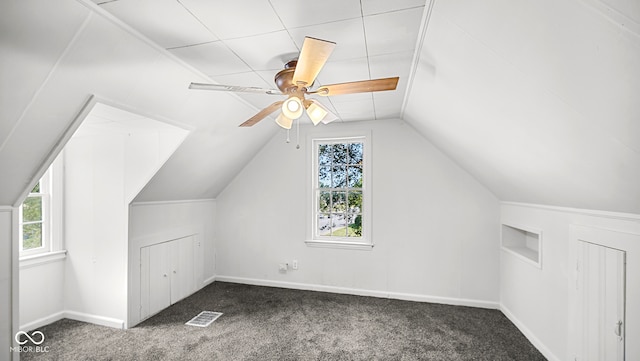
(265, 323)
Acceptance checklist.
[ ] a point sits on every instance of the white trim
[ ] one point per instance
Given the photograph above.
(95, 319)
(208, 281)
(73, 315)
(42, 321)
(157, 203)
(42, 258)
(339, 244)
(339, 136)
(424, 25)
(361, 292)
(529, 335)
(587, 212)
(6, 208)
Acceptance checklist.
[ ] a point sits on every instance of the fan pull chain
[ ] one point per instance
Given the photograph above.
(298, 134)
(288, 139)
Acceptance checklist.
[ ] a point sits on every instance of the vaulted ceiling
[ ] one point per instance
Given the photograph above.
(536, 99)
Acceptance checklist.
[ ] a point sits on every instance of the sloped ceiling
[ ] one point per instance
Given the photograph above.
(536, 99)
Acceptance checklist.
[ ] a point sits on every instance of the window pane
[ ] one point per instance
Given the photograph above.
(36, 189)
(339, 176)
(338, 224)
(324, 201)
(355, 153)
(324, 224)
(355, 176)
(324, 177)
(339, 153)
(32, 209)
(355, 202)
(324, 154)
(355, 225)
(339, 202)
(31, 236)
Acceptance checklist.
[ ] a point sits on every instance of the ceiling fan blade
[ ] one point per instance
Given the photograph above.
(234, 88)
(313, 55)
(262, 114)
(363, 86)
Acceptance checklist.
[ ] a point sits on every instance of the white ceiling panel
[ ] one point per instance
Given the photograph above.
(392, 32)
(344, 71)
(347, 34)
(296, 13)
(370, 7)
(266, 51)
(258, 17)
(358, 107)
(212, 58)
(389, 65)
(166, 22)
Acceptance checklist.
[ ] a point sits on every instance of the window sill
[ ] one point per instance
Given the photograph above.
(42, 258)
(340, 245)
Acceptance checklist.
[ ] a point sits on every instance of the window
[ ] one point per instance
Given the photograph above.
(340, 192)
(35, 216)
(40, 219)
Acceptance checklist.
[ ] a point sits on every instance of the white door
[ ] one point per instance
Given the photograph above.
(601, 302)
(182, 268)
(159, 278)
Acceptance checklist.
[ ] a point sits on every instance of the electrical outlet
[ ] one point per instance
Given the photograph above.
(294, 264)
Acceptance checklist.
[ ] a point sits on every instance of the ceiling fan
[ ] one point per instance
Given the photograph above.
(296, 80)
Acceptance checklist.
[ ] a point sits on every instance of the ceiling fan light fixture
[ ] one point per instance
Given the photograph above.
(316, 112)
(292, 108)
(329, 118)
(284, 122)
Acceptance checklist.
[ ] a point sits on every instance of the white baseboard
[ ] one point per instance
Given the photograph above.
(95, 319)
(42, 321)
(361, 292)
(529, 335)
(208, 281)
(73, 315)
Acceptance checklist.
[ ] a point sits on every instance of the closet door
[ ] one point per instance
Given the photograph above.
(159, 278)
(182, 268)
(601, 294)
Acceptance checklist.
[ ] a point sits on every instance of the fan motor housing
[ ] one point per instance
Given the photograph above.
(284, 78)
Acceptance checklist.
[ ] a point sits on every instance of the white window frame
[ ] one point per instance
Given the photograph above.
(51, 191)
(45, 196)
(365, 242)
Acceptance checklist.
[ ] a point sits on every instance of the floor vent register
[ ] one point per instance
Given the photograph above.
(204, 319)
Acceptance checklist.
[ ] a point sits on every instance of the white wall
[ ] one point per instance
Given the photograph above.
(41, 293)
(537, 300)
(156, 222)
(435, 228)
(106, 165)
(8, 284)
